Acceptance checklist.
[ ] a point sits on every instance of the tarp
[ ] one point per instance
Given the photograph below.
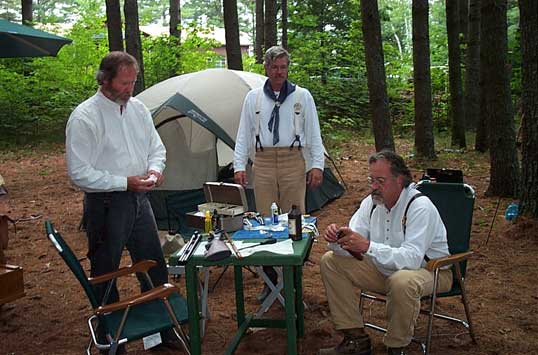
(24, 41)
(197, 116)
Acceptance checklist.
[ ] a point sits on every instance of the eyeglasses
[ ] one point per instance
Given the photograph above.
(379, 180)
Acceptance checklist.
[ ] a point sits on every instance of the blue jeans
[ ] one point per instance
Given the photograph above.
(118, 220)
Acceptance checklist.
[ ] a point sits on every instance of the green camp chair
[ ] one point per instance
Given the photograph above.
(132, 318)
(455, 203)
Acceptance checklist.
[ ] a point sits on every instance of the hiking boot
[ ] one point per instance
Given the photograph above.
(356, 342)
(396, 351)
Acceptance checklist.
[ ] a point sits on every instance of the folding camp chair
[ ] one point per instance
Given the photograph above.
(455, 203)
(135, 317)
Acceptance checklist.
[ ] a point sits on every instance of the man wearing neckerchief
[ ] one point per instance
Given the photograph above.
(279, 131)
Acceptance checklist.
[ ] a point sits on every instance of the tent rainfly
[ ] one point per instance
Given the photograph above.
(197, 116)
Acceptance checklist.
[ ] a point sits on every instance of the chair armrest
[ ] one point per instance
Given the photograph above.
(160, 292)
(141, 266)
(434, 264)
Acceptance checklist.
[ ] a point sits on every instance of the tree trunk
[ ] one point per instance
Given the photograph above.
(285, 24)
(424, 137)
(472, 67)
(463, 7)
(375, 68)
(528, 10)
(27, 13)
(113, 23)
(270, 24)
(132, 40)
(259, 41)
(231, 28)
(482, 128)
(454, 75)
(175, 19)
(502, 142)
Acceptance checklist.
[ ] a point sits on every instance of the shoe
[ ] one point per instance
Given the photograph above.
(396, 351)
(356, 342)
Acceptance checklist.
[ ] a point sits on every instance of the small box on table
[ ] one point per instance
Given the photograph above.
(230, 202)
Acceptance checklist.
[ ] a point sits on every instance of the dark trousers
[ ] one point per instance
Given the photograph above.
(118, 220)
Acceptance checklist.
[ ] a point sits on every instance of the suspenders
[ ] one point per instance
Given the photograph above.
(297, 115)
(404, 218)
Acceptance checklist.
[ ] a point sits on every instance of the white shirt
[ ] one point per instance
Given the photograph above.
(309, 131)
(104, 145)
(390, 250)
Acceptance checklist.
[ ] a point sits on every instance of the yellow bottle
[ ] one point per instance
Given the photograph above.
(207, 222)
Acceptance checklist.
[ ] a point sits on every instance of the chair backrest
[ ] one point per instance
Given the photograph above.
(455, 203)
(72, 262)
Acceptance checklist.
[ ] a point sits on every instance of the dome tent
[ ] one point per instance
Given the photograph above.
(197, 116)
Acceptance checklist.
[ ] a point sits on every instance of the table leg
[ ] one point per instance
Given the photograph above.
(289, 296)
(191, 280)
(298, 278)
(239, 296)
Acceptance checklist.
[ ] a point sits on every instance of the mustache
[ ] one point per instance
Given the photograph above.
(375, 193)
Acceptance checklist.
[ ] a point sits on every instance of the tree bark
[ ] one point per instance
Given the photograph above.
(463, 7)
(27, 13)
(175, 19)
(502, 143)
(270, 24)
(285, 24)
(375, 68)
(454, 75)
(528, 10)
(132, 40)
(424, 137)
(231, 28)
(472, 67)
(113, 23)
(259, 41)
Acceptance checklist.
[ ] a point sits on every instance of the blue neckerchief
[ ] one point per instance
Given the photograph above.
(286, 90)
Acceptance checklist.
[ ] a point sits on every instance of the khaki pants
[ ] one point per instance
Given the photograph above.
(279, 176)
(403, 289)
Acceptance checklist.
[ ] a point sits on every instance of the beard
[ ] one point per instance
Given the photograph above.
(377, 198)
(115, 95)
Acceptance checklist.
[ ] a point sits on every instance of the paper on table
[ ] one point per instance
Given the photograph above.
(284, 247)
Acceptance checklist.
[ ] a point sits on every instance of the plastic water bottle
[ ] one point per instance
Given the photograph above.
(274, 213)
(511, 211)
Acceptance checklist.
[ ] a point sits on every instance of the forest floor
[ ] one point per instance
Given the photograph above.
(51, 319)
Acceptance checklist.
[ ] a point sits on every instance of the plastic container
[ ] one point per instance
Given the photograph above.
(274, 213)
(207, 222)
(511, 211)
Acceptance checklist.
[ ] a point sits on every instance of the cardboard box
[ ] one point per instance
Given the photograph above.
(230, 202)
(12, 283)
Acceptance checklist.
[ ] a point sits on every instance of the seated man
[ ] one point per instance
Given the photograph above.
(391, 236)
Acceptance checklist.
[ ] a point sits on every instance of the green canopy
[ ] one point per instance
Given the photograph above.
(23, 41)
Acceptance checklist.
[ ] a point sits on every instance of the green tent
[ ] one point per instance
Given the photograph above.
(197, 116)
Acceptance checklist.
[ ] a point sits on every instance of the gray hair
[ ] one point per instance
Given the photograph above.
(397, 164)
(274, 53)
(108, 69)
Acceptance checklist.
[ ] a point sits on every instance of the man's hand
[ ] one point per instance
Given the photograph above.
(330, 233)
(240, 177)
(158, 175)
(353, 242)
(314, 178)
(140, 183)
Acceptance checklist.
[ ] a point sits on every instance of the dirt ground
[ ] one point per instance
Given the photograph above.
(51, 318)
